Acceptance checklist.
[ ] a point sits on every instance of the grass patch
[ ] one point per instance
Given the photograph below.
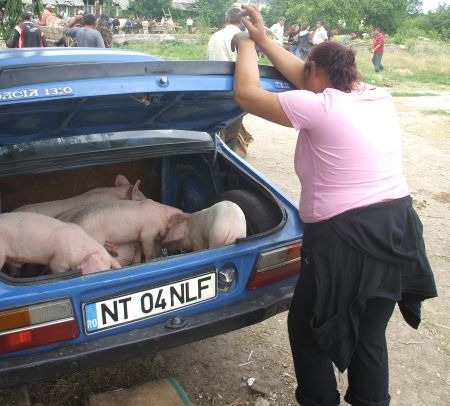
(420, 67)
(172, 50)
(411, 94)
(436, 112)
(402, 67)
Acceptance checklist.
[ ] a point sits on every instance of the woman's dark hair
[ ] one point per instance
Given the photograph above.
(339, 63)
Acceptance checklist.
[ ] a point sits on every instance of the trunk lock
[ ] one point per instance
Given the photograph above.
(176, 322)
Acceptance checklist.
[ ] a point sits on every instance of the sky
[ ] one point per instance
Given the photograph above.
(432, 4)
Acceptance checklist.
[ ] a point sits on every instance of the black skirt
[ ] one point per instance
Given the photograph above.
(373, 251)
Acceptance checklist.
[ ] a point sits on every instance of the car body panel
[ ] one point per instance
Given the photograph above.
(114, 114)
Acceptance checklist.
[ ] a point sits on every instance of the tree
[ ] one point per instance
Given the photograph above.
(12, 10)
(274, 10)
(386, 14)
(415, 7)
(153, 8)
(211, 13)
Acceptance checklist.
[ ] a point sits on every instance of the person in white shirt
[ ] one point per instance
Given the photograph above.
(219, 45)
(219, 49)
(320, 35)
(189, 23)
(278, 30)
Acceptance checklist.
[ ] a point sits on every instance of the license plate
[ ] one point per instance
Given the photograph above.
(147, 303)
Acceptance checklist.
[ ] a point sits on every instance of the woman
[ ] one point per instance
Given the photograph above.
(362, 246)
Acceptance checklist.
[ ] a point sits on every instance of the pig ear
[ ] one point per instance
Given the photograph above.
(92, 263)
(122, 181)
(177, 218)
(176, 230)
(135, 192)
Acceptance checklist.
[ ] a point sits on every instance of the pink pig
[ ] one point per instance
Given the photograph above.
(38, 239)
(220, 224)
(128, 221)
(122, 190)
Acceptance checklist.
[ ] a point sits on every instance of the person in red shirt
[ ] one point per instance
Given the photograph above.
(378, 49)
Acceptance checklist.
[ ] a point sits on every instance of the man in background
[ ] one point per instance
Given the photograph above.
(378, 49)
(48, 11)
(189, 23)
(27, 34)
(320, 34)
(278, 30)
(87, 35)
(219, 49)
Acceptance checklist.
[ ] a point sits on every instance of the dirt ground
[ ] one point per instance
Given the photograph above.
(211, 370)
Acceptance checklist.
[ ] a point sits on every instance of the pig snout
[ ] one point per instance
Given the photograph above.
(96, 262)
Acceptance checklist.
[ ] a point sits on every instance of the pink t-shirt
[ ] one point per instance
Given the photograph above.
(348, 150)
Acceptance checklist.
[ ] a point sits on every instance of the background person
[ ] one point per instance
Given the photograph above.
(304, 42)
(278, 30)
(48, 11)
(103, 27)
(27, 34)
(87, 35)
(219, 49)
(189, 23)
(378, 49)
(363, 250)
(320, 34)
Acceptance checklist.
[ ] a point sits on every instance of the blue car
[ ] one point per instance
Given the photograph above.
(70, 121)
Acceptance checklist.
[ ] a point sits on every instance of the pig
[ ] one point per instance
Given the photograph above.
(128, 221)
(126, 254)
(38, 239)
(223, 223)
(122, 190)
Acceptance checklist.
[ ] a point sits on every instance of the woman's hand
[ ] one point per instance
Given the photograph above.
(255, 25)
(239, 39)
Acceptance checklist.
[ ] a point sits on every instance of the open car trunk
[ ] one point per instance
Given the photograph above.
(174, 174)
(73, 120)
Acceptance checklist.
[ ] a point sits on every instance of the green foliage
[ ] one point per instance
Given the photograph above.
(211, 13)
(437, 22)
(12, 11)
(414, 7)
(153, 8)
(346, 15)
(386, 14)
(274, 10)
(172, 50)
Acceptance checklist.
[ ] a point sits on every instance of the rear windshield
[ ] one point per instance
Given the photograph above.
(56, 152)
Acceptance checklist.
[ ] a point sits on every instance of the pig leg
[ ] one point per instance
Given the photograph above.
(147, 239)
(137, 257)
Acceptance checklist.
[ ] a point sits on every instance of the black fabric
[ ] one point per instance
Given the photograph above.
(368, 371)
(304, 40)
(31, 35)
(374, 251)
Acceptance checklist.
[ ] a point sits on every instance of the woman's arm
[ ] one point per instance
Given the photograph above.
(247, 91)
(291, 67)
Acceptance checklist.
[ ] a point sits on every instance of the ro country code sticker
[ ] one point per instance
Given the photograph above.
(140, 305)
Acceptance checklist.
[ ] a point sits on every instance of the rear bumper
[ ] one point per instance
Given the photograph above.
(52, 364)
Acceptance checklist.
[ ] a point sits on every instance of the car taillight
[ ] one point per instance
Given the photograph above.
(275, 265)
(36, 325)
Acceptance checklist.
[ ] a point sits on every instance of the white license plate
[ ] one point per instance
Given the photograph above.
(148, 303)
